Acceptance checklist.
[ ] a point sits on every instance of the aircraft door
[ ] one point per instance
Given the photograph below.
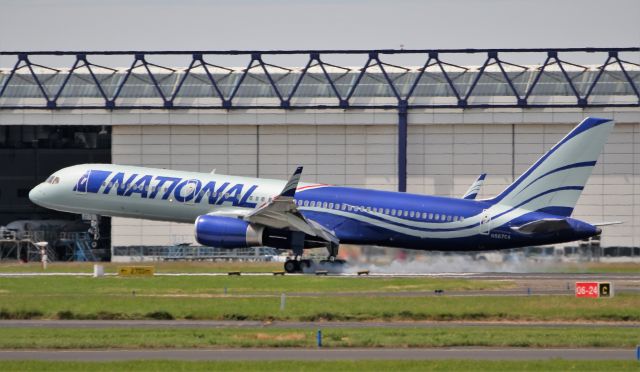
(485, 223)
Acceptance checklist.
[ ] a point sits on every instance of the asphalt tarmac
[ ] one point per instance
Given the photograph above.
(321, 354)
(373, 274)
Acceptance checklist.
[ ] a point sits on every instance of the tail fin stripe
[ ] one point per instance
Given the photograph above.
(560, 169)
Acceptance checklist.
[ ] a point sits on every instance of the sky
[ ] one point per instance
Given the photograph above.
(27, 25)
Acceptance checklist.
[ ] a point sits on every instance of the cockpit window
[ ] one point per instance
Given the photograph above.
(53, 180)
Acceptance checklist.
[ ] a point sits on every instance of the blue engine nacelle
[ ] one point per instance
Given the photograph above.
(227, 232)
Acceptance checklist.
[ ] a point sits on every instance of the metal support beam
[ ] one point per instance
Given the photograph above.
(264, 85)
(402, 146)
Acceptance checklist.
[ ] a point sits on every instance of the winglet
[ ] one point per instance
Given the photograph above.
(290, 188)
(473, 191)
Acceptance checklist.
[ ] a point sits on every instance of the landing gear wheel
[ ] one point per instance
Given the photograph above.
(292, 266)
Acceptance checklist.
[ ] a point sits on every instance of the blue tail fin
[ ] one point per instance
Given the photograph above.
(554, 183)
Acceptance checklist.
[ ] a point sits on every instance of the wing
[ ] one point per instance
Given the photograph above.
(473, 191)
(283, 213)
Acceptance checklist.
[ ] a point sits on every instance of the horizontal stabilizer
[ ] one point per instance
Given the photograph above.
(607, 223)
(543, 226)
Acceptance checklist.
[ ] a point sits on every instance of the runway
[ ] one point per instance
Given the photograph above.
(321, 354)
(373, 274)
(212, 324)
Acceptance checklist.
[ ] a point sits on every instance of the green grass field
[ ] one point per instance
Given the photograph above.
(221, 267)
(215, 285)
(161, 267)
(495, 336)
(408, 366)
(258, 298)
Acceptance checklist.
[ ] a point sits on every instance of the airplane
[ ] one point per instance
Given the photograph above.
(235, 212)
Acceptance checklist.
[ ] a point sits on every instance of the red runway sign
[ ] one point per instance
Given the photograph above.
(587, 289)
(593, 289)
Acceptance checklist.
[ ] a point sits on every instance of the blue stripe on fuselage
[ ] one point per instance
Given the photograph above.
(393, 200)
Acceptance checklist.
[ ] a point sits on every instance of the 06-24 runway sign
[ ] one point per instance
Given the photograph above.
(594, 289)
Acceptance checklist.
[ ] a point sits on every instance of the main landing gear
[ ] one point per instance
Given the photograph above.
(298, 265)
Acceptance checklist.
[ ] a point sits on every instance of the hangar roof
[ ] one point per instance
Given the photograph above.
(204, 84)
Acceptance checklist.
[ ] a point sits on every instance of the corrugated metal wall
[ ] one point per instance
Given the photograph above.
(443, 159)
(356, 155)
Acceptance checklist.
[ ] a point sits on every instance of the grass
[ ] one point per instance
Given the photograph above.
(258, 298)
(394, 365)
(623, 307)
(104, 338)
(161, 267)
(226, 266)
(186, 286)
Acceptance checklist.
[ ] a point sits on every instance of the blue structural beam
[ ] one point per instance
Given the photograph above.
(402, 146)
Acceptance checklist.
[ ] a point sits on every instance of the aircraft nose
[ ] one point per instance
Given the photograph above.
(36, 195)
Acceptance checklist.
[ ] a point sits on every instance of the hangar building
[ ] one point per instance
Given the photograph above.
(416, 121)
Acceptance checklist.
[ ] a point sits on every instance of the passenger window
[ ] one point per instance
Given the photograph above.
(449, 218)
(424, 215)
(412, 214)
(436, 217)
(406, 213)
(393, 212)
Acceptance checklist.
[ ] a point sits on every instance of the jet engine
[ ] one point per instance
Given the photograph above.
(227, 232)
